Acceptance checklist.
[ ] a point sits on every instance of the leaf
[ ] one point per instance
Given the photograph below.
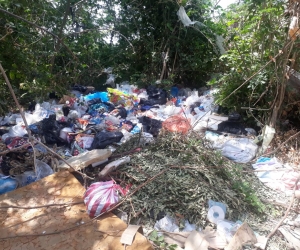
(160, 238)
(12, 75)
(153, 234)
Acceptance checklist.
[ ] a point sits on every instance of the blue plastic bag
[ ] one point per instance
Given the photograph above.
(7, 184)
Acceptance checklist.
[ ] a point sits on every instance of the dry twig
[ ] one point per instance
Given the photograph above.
(286, 212)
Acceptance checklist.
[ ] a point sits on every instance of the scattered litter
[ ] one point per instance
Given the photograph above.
(113, 166)
(86, 128)
(276, 175)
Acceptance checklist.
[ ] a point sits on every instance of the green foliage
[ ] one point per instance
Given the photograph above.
(243, 186)
(256, 31)
(159, 241)
(129, 36)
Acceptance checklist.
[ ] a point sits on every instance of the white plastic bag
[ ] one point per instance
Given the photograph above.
(42, 169)
(241, 150)
(166, 224)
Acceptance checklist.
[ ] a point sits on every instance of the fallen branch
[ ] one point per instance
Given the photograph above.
(286, 212)
(279, 203)
(16, 100)
(48, 205)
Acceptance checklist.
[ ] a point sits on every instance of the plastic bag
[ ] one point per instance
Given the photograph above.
(84, 140)
(17, 131)
(241, 150)
(151, 126)
(42, 169)
(51, 130)
(268, 135)
(177, 123)
(98, 95)
(166, 224)
(103, 139)
(184, 17)
(101, 196)
(26, 178)
(7, 184)
(232, 127)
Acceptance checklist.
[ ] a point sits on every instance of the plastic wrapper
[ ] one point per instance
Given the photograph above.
(84, 141)
(166, 224)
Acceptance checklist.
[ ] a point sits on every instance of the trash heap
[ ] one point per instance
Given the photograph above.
(154, 146)
(83, 121)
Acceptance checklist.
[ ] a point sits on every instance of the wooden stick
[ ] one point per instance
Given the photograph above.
(286, 212)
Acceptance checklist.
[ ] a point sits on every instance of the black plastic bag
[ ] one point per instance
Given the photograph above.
(151, 126)
(51, 129)
(79, 88)
(232, 127)
(156, 96)
(122, 113)
(103, 139)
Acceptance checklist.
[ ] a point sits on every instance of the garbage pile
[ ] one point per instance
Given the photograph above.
(128, 139)
(87, 120)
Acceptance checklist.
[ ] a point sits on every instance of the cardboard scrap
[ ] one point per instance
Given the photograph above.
(196, 241)
(178, 238)
(129, 233)
(58, 227)
(83, 160)
(214, 239)
(292, 236)
(261, 242)
(244, 235)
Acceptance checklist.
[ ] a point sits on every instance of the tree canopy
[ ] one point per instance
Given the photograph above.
(50, 45)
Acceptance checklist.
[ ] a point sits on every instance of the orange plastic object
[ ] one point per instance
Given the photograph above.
(177, 123)
(69, 227)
